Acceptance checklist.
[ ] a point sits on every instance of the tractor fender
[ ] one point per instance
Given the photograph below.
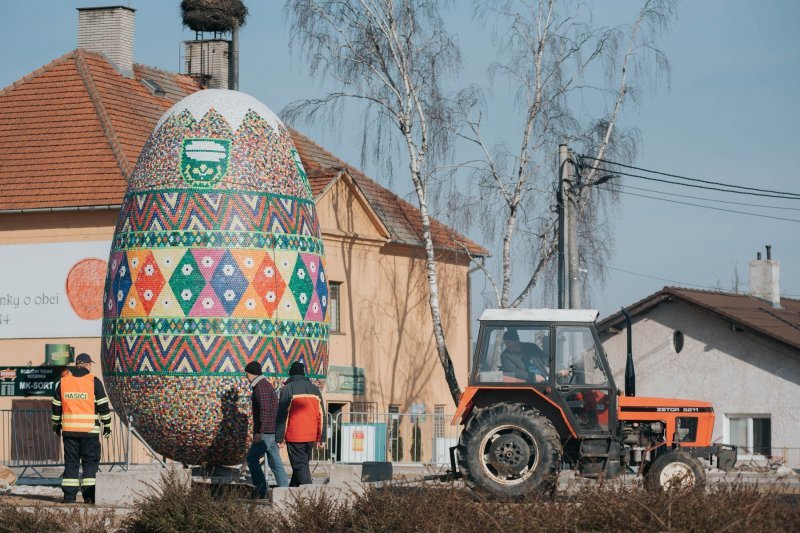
(482, 397)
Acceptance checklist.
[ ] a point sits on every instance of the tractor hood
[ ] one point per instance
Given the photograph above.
(642, 404)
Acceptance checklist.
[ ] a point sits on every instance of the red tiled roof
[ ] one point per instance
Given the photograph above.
(745, 311)
(72, 130)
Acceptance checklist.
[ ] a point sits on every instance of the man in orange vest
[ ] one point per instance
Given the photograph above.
(300, 423)
(80, 407)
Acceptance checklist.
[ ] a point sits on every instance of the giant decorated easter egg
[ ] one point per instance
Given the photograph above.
(216, 261)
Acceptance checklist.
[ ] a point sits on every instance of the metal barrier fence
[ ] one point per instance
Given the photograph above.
(355, 437)
(326, 454)
(27, 440)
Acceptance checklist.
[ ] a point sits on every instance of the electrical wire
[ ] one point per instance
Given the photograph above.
(663, 279)
(639, 176)
(794, 194)
(711, 199)
(769, 193)
(708, 287)
(703, 206)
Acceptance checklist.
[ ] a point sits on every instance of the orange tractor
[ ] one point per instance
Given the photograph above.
(541, 397)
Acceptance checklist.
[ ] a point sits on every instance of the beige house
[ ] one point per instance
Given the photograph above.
(71, 132)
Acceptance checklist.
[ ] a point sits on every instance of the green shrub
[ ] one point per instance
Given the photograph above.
(440, 507)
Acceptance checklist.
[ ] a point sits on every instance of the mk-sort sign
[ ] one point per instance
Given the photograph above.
(29, 380)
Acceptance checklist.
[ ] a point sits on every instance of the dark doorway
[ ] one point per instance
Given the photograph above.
(334, 417)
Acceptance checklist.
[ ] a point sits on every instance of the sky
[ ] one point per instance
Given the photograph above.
(730, 114)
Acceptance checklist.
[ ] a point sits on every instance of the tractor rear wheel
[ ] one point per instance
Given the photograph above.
(509, 450)
(675, 469)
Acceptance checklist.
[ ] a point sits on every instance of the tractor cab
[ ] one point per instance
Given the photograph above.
(554, 351)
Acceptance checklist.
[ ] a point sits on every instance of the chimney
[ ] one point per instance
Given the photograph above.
(765, 279)
(108, 30)
(207, 61)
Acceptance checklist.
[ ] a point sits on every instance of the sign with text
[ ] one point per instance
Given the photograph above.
(346, 379)
(52, 290)
(363, 442)
(29, 380)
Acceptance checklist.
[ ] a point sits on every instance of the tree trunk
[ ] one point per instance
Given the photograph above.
(433, 285)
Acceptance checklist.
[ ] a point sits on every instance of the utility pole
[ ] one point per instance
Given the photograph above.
(569, 286)
(572, 238)
(563, 186)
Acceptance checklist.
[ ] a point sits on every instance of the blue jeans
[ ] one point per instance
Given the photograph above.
(257, 450)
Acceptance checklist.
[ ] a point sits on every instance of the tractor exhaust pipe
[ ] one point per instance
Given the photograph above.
(630, 373)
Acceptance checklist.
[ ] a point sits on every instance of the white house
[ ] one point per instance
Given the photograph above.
(739, 351)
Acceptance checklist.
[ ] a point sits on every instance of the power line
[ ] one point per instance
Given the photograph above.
(663, 279)
(639, 176)
(711, 199)
(684, 283)
(704, 206)
(689, 179)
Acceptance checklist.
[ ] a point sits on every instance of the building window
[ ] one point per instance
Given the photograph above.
(751, 433)
(438, 421)
(363, 412)
(333, 307)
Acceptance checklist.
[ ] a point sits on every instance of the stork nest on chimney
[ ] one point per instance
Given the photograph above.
(213, 15)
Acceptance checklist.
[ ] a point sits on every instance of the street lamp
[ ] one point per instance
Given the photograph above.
(568, 282)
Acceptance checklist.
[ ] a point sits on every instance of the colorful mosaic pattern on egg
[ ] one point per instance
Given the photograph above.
(217, 260)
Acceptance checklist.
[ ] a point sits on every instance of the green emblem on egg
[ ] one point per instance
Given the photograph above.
(204, 161)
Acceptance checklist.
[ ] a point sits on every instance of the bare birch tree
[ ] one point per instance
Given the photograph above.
(390, 56)
(553, 55)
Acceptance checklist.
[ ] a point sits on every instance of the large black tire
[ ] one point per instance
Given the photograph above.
(509, 450)
(675, 469)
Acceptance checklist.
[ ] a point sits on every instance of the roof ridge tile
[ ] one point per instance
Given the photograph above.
(164, 72)
(781, 325)
(44, 68)
(102, 115)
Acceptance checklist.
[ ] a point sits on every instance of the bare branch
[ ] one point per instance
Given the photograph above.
(391, 56)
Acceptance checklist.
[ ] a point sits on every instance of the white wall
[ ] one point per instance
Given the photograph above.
(739, 372)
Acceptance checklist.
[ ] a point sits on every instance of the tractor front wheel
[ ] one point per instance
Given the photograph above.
(509, 450)
(675, 469)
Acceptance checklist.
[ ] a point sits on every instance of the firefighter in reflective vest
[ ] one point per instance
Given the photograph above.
(80, 409)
